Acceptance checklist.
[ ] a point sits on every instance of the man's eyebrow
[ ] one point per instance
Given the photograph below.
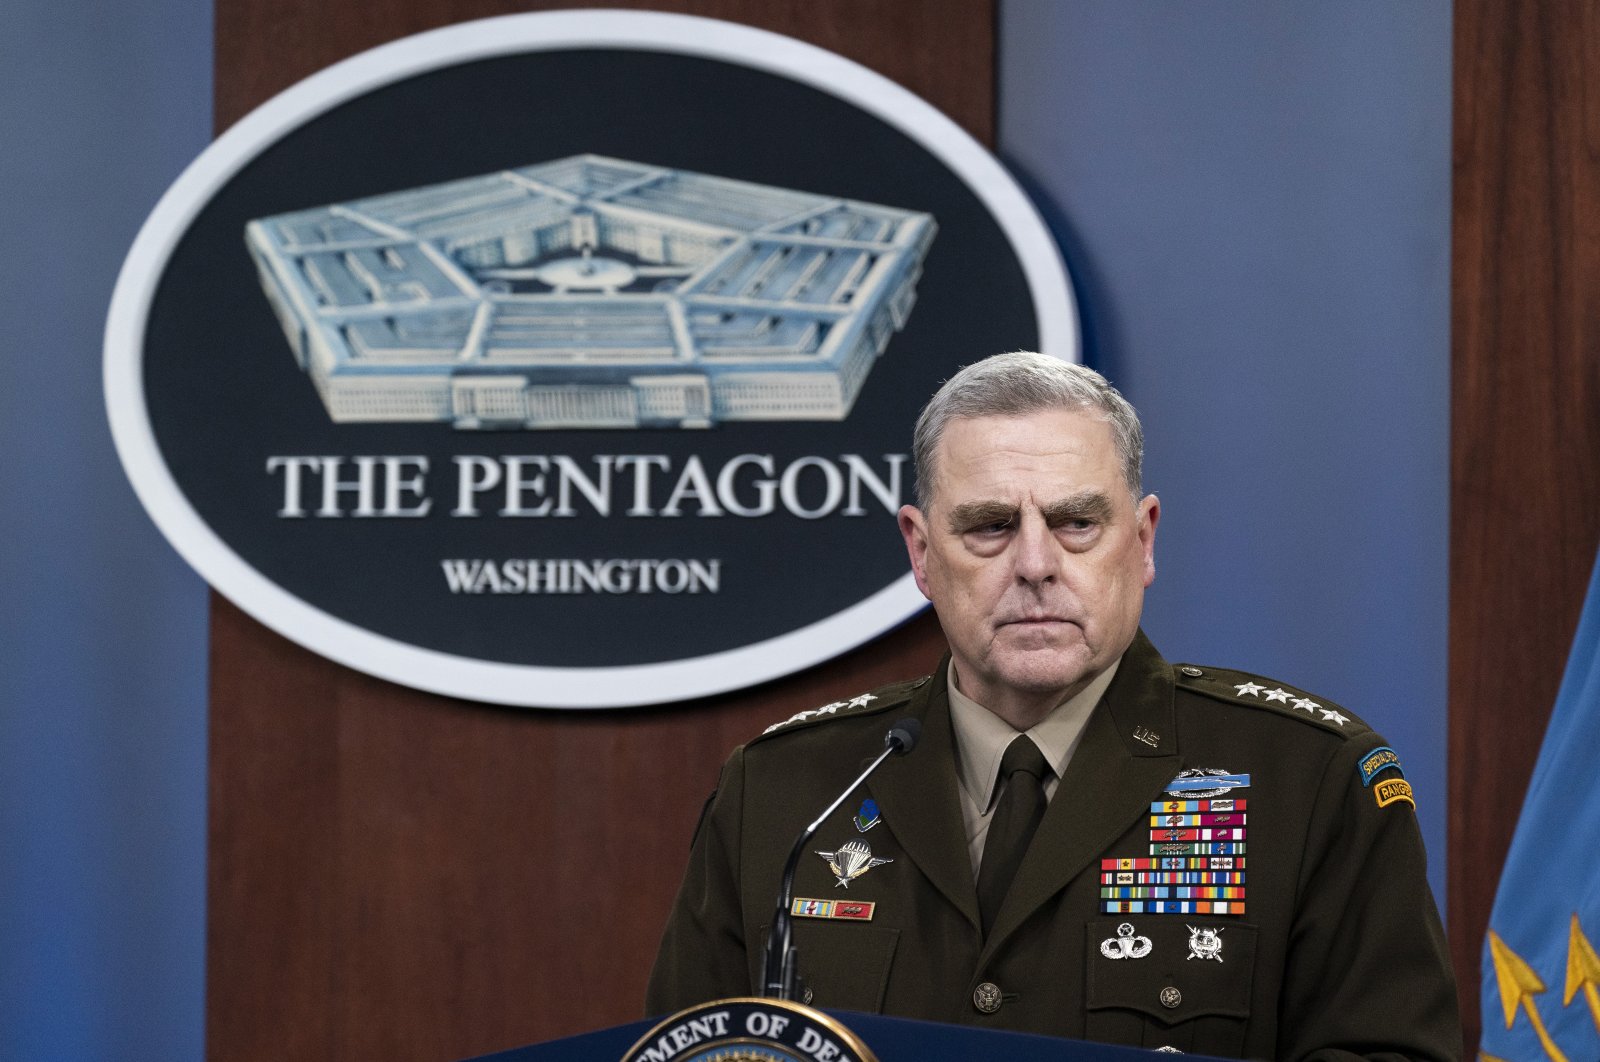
(1085, 505)
(968, 515)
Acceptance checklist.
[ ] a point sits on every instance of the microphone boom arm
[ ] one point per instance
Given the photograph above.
(779, 973)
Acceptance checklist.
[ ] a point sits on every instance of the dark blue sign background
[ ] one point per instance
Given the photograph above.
(224, 392)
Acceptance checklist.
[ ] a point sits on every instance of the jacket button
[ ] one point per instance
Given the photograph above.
(1171, 997)
(986, 997)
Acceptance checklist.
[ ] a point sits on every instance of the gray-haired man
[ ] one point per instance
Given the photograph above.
(1088, 842)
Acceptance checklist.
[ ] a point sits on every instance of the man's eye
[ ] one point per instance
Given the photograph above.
(1076, 524)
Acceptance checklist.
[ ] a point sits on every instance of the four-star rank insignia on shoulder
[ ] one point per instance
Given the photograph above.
(877, 700)
(858, 701)
(1241, 688)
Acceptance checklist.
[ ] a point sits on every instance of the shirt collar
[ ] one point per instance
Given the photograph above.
(982, 737)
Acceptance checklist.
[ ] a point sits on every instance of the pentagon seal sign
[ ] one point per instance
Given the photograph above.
(591, 292)
(568, 359)
(753, 1030)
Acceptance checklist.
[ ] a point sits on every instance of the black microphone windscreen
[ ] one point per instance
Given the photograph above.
(904, 734)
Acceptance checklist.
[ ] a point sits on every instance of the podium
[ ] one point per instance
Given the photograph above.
(891, 1039)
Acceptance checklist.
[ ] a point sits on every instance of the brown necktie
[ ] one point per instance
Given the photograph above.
(1022, 771)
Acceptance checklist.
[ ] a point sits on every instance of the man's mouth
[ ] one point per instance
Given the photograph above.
(1034, 621)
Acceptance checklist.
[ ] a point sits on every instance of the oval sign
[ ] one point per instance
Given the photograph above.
(567, 359)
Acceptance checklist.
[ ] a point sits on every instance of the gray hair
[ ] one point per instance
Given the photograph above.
(1021, 382)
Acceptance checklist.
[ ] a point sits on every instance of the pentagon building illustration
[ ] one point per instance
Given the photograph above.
(591, 292)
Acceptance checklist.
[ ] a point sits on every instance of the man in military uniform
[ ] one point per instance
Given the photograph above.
(1087, 841)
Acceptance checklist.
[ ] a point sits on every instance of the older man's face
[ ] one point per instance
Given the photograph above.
(1033, 553)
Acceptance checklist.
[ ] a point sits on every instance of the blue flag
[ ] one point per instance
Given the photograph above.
(1541, 977)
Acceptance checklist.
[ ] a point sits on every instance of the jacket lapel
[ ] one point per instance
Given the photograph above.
(1107, 788)
(917, 793)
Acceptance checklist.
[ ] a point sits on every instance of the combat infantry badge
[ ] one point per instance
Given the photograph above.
(1195, 782)
(851, 860)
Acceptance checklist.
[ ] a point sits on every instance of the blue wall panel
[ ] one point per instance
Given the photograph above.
(102, 700)
(1254, 199)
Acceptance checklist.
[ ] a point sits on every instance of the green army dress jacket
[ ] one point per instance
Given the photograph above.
(1338, 952)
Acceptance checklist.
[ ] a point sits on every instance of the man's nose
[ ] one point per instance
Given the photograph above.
(1036, 559)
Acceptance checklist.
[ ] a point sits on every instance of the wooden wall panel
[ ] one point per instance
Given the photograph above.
(403, 876)
(943, 50)
(1525, 451)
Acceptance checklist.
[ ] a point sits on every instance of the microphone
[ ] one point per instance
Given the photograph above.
(904, 735)
(779, 977)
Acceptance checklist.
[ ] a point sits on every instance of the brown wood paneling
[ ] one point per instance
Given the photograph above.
(398, 875)
(1525, 449)
(943, 50)
(403, 876)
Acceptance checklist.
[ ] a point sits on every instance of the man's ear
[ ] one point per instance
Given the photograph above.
(1149, 516)
(914, 529)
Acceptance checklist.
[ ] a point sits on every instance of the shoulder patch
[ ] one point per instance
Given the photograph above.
(1238, 687)
(1382, 758)
(1393, 790)
(862, 704)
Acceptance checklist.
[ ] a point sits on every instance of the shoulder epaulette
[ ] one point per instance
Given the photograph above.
(862, 704)
(1239, 687)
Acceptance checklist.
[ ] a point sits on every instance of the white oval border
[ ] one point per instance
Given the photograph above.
(518, 684)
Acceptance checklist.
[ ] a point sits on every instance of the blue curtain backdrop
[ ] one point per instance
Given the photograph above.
(1253, 199)
(102, 658)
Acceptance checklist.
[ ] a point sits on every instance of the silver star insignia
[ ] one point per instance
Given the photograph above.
(1331, 716)
(1248, 689)
(862, 700)
(1308, 705)
(799, 717)
(1279, 694)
